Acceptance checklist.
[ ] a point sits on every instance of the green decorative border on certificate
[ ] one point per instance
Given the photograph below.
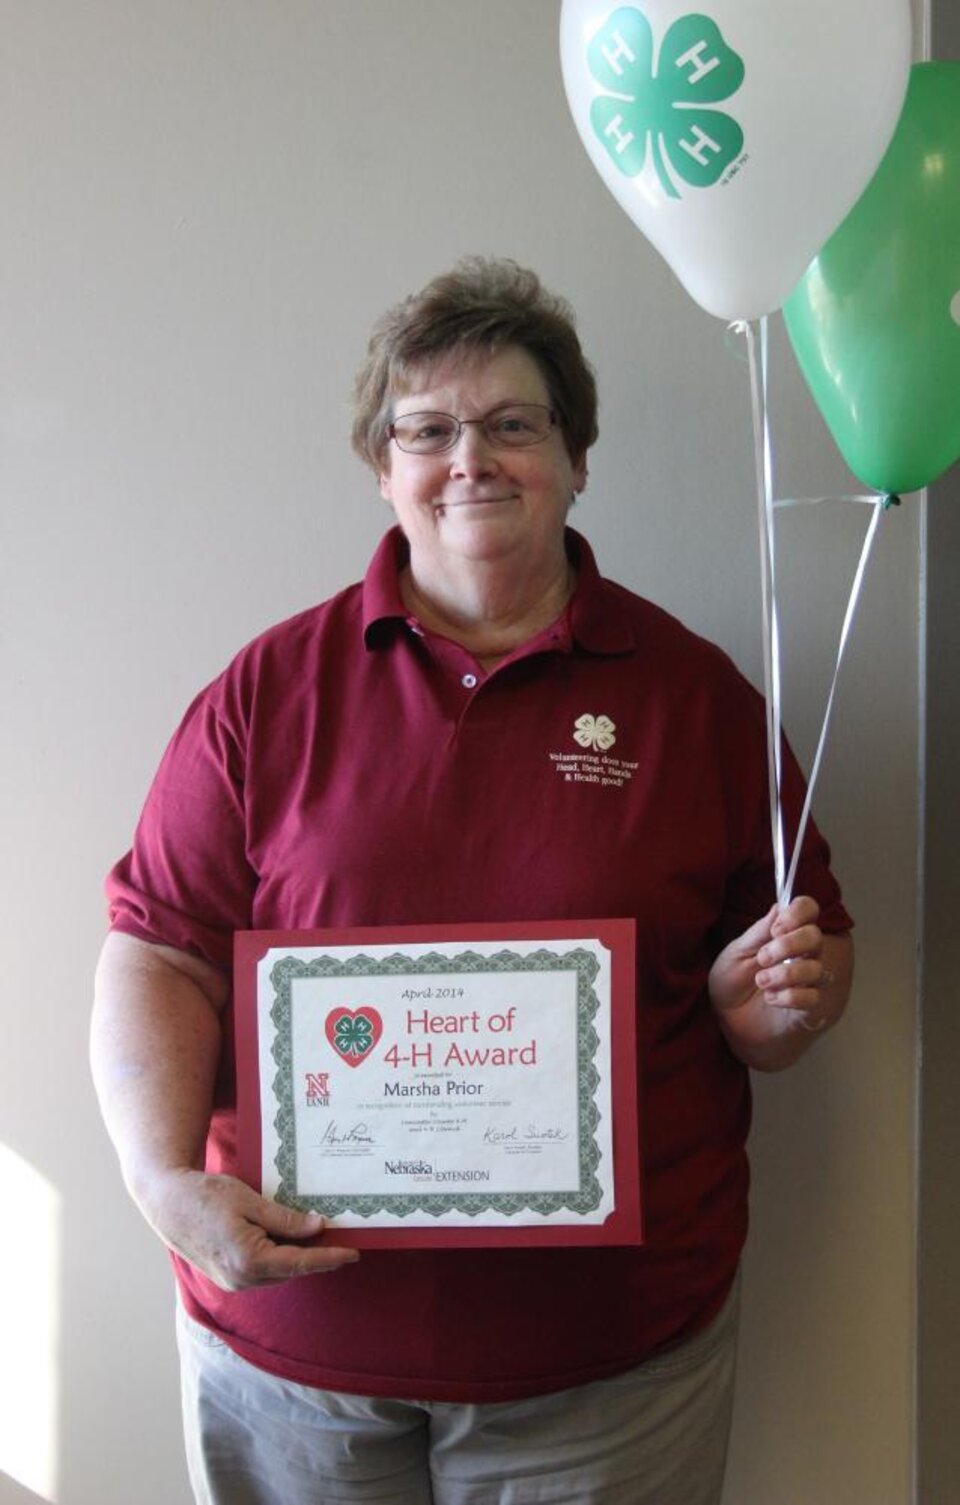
(582, 1199)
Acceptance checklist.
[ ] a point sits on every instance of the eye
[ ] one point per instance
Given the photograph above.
(512, 421)
(425, 431)
(518, 424)
(430, 428)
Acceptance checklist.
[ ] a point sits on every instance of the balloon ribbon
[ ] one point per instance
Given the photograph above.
(757, 334)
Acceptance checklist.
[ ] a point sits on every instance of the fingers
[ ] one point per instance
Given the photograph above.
(749, 943)
(287, 1222)
(778, 978)
(791, 950)
(794, 935)
(796, 984)
(800, 911)
(238, 1238)
(791, 973)
(793, 980)
(277, 1257)
(782, 933)
(279, 1262)
(265, 1247)
(803, 1002)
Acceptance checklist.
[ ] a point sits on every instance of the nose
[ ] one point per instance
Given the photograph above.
(473, 454)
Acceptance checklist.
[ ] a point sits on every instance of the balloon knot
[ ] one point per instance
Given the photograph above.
(890, 501)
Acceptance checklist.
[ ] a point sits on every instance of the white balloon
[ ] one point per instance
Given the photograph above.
(737, 134)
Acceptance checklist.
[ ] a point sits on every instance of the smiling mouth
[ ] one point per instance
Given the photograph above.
(473, 501)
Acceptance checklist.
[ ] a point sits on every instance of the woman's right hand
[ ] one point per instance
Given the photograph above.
(235, 1237)
(156, 1041)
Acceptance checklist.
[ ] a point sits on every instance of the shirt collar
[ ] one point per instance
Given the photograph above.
(599, 617)
(597, 614)
(382, 601)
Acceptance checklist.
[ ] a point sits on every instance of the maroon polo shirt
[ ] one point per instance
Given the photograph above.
(349, 768)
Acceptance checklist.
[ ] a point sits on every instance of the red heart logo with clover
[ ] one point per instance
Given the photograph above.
(353, 1033)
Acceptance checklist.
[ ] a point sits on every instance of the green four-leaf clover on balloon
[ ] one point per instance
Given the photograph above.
(663, 111)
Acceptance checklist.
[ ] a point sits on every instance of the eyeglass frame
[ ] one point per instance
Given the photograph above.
(495, 442)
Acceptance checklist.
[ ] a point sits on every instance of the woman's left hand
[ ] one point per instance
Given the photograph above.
(779, 984)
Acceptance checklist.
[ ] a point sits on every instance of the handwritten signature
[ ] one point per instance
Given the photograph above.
(356, 1134)
(525, 1134)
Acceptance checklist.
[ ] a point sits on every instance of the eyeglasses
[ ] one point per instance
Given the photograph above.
(514, 426)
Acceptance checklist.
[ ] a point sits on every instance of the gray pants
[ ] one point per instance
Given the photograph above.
(656, 1435)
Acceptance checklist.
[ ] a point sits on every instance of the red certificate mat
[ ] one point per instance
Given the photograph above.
(446, 1085)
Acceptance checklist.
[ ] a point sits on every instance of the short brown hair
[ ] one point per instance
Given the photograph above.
(482, 305)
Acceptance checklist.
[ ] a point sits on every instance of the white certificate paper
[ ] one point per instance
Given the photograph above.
(458, 1085)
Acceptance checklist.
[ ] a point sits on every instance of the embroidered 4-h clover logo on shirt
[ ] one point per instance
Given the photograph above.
(594, 731)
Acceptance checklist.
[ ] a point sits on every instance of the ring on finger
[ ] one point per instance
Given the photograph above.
(825, 980)
(812, 1027)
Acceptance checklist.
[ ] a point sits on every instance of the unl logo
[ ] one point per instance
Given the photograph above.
(318, 1086)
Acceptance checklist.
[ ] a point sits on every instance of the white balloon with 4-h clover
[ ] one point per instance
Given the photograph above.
(738, 135)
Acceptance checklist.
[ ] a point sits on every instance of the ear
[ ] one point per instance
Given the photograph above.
(580, 473)
(386, 490)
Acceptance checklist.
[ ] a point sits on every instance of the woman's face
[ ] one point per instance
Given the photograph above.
(477, 501)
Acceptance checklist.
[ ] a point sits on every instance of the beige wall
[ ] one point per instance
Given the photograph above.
(204, 207)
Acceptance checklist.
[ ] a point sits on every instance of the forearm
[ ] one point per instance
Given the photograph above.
(155, 1046)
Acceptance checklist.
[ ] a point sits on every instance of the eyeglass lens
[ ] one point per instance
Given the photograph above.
(511, 427)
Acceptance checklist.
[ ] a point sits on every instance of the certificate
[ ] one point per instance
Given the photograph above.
(451, 1085)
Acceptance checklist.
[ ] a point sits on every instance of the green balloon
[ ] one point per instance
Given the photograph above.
(875, 321)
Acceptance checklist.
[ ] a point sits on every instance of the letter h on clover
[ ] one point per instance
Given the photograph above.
(660, 106)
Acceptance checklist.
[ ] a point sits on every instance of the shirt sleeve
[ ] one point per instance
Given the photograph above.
(186, 882)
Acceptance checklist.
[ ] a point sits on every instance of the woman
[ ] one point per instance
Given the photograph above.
(401, 754)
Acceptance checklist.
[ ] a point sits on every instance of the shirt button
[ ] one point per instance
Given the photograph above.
(469, 681)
